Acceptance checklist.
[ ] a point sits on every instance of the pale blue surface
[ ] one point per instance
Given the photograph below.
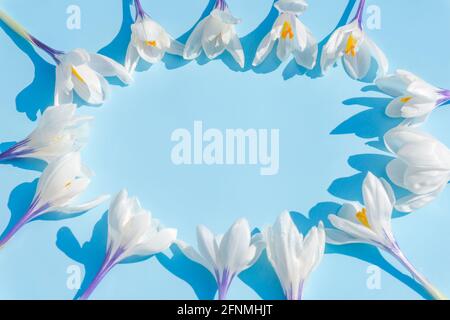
(130, 147)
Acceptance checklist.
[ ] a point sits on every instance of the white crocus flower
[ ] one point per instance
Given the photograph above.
(292, 256)
(60, 184)
(422, 166)
(132, 232)
(225, 256)
(59, 131)
(372, 225)
(293, 37)
(84, 73)
(355, 48)
(149, 41)
(414, 99)
(76, 70)
(215, 34)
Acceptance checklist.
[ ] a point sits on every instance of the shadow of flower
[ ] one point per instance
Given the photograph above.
(368, 124)
(19, 200)
(25, 163)
(91, 254)
(39, 94)
(197, 276)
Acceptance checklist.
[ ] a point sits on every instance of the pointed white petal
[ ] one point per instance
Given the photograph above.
(193, 45)
(236, 51)
(109, 68)
(131, 59)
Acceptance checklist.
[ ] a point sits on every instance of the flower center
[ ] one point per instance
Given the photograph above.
(287, 31)
(151, 43)
(405, 99)
(362, 217)
(350, 49)
(77, 75)
(68, 184)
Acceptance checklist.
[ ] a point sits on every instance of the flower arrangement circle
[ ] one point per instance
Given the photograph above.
(422, 164)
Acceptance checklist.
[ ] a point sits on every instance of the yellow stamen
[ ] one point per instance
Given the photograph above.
(405, 99)
(77, 75)
(287, 31)
(362, 217)
(350, 49)
(151, 43)
(68, 184)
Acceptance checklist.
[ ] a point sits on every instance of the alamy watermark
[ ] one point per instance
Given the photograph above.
(255, 147)
(73, 21)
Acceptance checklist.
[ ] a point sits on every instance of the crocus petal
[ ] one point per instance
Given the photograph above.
(109, 68)
(414, 202)
(397, 138)
(284, 49)
(348, 211)
(424, 181)
(149, 53)
(119, 213)
(193, 255)
(358, 66)
(334, 48)
(63, 86)
(416, 109)
(225, 16)
(379, 56)
(193, 47)
(358, 231)
(396, 84)
(236, 51)
(158, 242)
(378, 203)
(93, 88)
(308, 57)
(175, 48)
(81, 208)
(426, 154)
(235, 245)
(292, 6)
(267, 43)
(394, 108)
(62, 181)
(207, 245)
(212, 40)
(75, 57)
(132, 58)
(301, 33)
(265, 47)
(396, 170)
(338, 237)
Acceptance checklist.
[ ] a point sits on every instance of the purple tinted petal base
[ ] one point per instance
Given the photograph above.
(292, 295)
(221, 5)
(50, 51)
(32, 212)
(108, 263)
(398, 254)
(223, 283)
(139, 10)
(359, 13)
(16, 151)
(445, 97)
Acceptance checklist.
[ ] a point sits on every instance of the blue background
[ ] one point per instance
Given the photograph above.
(329, 129)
